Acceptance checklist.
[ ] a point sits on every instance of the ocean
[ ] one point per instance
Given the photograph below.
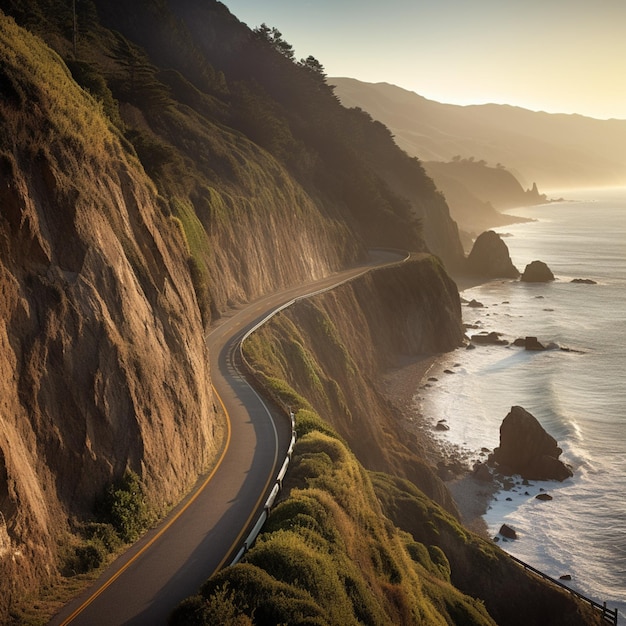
(578, 395)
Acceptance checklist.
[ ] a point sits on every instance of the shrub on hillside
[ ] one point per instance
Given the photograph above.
(124, 507)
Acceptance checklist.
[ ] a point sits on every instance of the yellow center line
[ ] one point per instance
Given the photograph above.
(160, 533)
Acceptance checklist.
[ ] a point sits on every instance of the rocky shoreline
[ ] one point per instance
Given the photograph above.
(403, 386)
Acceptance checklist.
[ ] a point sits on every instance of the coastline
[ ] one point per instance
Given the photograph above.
(403, 384)
(579, 533)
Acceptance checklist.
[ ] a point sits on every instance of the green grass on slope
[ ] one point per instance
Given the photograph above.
(329, 555)
(72, 117)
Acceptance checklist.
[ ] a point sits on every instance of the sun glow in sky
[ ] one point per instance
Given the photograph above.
(560, 56)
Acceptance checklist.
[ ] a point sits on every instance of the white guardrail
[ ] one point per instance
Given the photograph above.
(278, 484)
(269, 503)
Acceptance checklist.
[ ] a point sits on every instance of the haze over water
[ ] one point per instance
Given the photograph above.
(578, 396)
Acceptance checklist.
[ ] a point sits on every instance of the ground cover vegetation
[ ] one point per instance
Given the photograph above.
(329, 555)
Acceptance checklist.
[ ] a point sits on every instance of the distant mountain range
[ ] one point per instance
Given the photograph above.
(553, 150)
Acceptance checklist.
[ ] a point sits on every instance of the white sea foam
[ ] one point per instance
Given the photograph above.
(578, 396)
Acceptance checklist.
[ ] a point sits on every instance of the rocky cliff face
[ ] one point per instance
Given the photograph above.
(103, 364)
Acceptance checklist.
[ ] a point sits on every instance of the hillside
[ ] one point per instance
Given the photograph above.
(554, 151)
(477, 193)
(147, 186)
(162, 164)
(347, 544)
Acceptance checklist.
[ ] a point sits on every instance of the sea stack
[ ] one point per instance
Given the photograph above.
(527, 449)
(490, 257)
(537, 272)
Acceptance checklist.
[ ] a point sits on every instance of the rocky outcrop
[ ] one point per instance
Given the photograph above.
(493, 338)
(533, 344)
(508, 532)
(537, 272)
(490, 257)
(475, 304)
(530, 343)
(527, 449)
(546, 497)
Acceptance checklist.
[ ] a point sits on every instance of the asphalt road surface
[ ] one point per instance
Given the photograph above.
(202, 533)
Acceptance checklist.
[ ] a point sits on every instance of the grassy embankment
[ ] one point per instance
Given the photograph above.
(345, 545)
(330, 553)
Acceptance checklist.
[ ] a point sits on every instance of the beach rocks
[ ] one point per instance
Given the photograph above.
(532, 343)
(529, 343)
(527, 449)
(474, 304)
(543, 496)
(491, 338)
(482, 473)
(508, 532)
(537, 272)
(490, 257)
(584, 281)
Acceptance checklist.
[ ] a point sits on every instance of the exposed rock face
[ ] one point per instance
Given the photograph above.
(527, 449)
(537, 272)
(103, 362)
(490, 257)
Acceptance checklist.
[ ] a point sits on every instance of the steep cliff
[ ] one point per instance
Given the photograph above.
(103, 364)
(347, 546)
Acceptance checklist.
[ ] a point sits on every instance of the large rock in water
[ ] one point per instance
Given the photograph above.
(537, 272)
(527, 449)
(490, 257)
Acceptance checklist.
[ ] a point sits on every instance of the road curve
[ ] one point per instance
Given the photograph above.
(172, 561)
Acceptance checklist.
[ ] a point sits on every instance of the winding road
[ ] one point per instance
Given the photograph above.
(204, 531)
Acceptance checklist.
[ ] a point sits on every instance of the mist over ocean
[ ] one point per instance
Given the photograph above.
(579, 396)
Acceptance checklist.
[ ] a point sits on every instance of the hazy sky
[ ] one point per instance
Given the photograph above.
(560, 56)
